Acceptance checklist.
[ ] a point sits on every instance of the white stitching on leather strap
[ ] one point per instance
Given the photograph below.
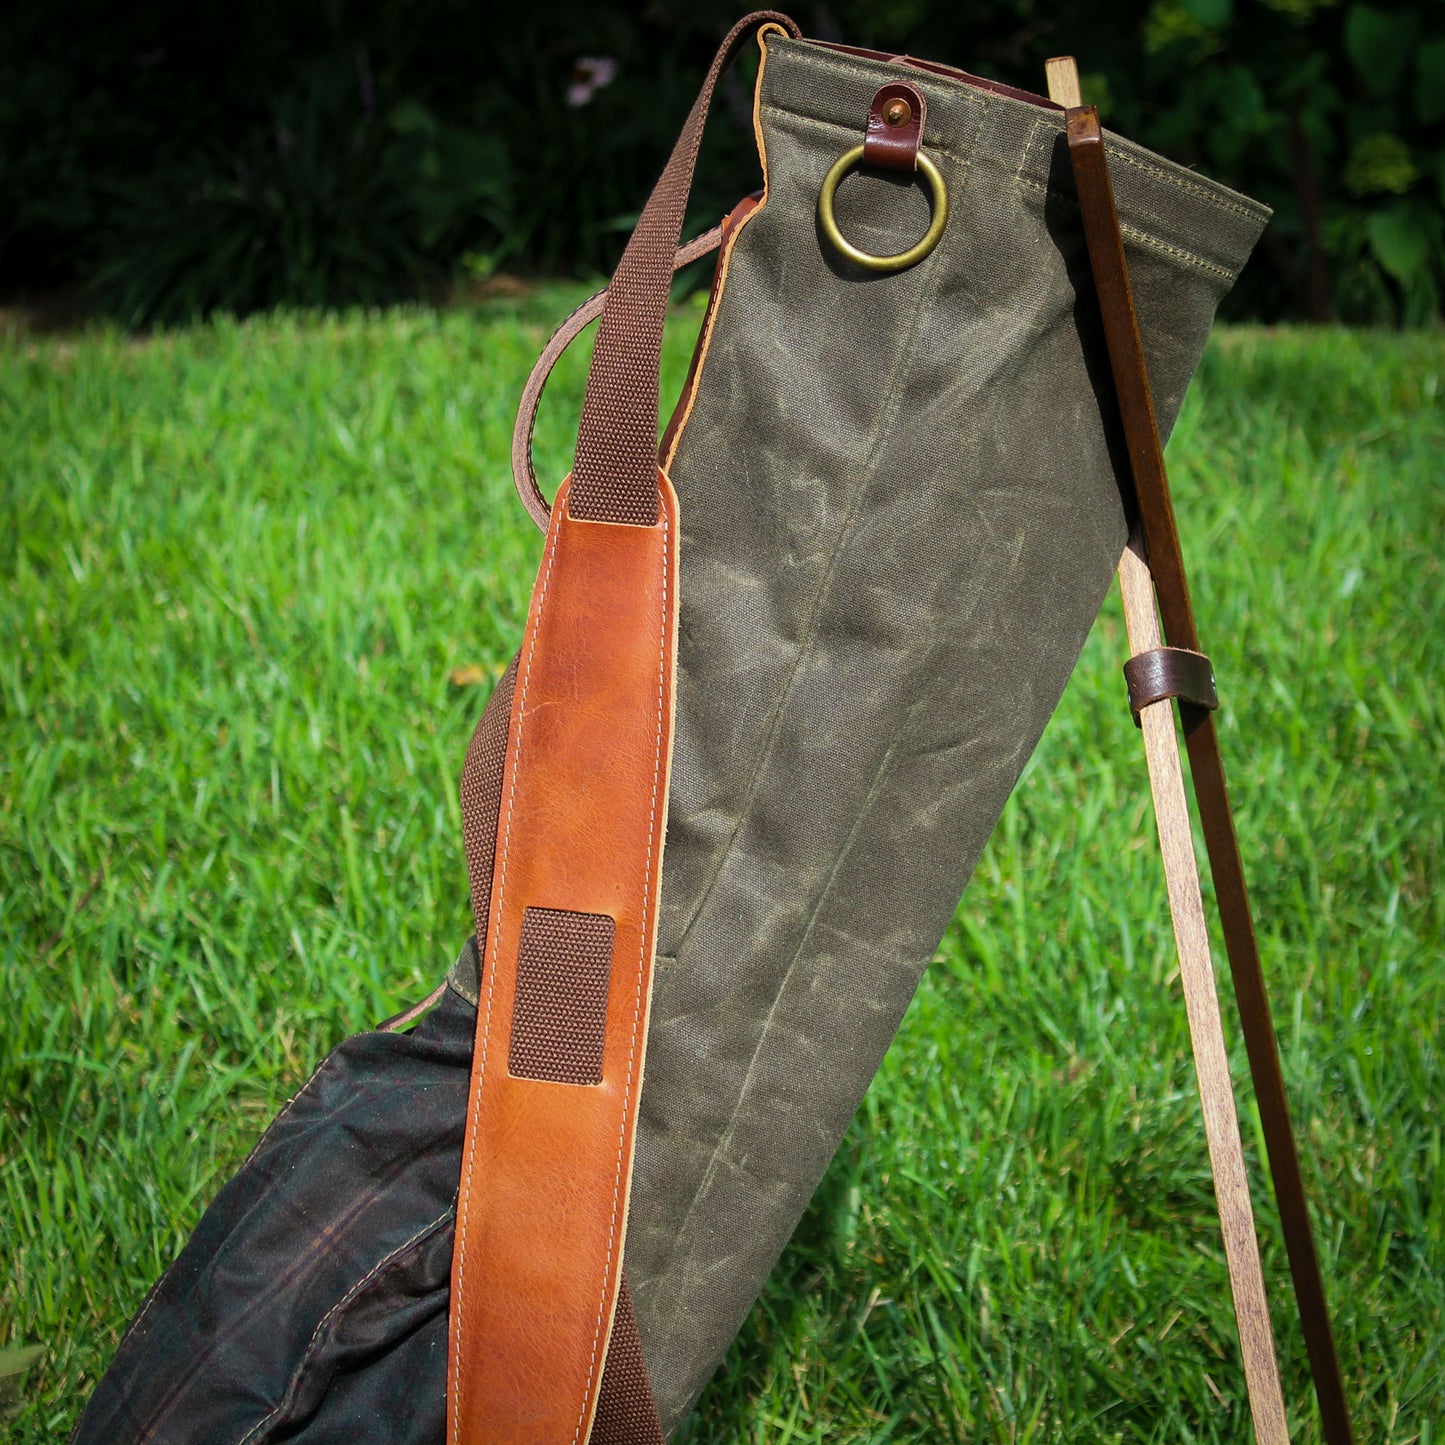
(494, 943)
(641, 968)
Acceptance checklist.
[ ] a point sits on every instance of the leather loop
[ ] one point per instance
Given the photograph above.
(896, 116)
(1166, 672)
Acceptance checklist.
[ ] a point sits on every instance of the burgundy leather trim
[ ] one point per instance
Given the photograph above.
(995, 87)
(896, 117)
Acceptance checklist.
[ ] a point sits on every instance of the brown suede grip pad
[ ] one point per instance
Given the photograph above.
(546, 1167)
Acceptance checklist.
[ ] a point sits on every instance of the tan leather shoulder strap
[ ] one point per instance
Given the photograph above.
(570, 929)
(571, 910)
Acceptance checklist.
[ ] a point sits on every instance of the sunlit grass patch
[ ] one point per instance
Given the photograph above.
(256, 581)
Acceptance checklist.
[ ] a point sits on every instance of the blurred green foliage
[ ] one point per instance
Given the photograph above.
(165, 160)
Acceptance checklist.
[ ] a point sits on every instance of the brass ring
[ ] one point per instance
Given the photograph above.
(915, 253)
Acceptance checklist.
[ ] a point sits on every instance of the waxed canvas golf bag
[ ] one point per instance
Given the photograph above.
(768, 707)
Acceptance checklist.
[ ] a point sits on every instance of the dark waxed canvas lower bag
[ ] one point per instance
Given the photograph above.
(789, 683)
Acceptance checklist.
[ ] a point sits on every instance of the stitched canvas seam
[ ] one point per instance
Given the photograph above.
(1218, 197)
(878, 72)
(1140, 238)
(844, 130)
(293, 1270)
(806, 644)
(1116, 151)
(256, 1148)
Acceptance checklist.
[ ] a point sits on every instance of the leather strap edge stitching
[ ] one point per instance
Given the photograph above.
(588, 1404)
(494, 941)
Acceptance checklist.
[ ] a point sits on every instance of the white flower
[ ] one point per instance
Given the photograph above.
(589, 75)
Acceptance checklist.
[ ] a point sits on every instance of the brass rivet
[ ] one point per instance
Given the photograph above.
(899, 112)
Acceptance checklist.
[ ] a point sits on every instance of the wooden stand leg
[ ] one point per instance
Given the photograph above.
(1206, 1030)
(1182, 878)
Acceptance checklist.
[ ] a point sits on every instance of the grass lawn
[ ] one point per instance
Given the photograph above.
(255, 581)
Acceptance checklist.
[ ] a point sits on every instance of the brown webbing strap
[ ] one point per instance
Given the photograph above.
(481, 796)
(626, 1411)
(614, 476)
(524, 477)
(1166, 562)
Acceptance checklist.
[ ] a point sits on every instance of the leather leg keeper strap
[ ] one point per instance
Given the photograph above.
(570, 929)
(1165, 672)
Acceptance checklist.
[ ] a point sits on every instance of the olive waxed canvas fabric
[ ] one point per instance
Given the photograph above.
(900, 514)
(899, 519)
